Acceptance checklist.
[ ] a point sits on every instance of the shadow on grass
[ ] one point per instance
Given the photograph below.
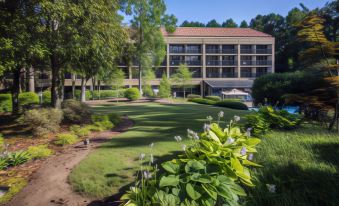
(328, 152)
(296, 186)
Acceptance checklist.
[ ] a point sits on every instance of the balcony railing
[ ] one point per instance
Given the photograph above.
(256, 51)
(213, 63)
(183, 51)
(190, 63)
(255, 63)
(218, 51)
(247, 74)
(229, 75)
(193, 51)
(176, 51)
(229, 62)
(212, 51)
(229, 51)
(219, 63)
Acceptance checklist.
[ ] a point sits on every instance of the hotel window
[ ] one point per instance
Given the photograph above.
(246, 49)
(228, 49)
(246, 60)
(213, 72)
(212, 60)
(177, 48)
(212, 49)
(196, 72)
(246, 72)
(229, 72)
(193, 60)
(193, 49)
(228, 60)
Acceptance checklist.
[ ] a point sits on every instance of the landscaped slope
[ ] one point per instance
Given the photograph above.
(112, 166)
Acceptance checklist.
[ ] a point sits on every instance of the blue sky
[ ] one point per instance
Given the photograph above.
(205, 10)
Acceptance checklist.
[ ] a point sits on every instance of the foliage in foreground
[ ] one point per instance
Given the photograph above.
(39, 151)
(212, 171)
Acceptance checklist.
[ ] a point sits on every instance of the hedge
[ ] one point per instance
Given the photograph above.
(213, 98)
(5, 102)
(193, 96)
(232, 105)
(202, 101)
(28, 98)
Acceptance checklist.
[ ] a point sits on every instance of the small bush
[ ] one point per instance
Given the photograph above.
(28, 98)
(114, 118)
(94, 128)
(2, 142)
(17, 158)
(132, 94)
(258, 124)
(279, 119)
(232, 105)
(38, 152)
(46, 97)
(102, 122)
(106, 94)
(5, 102)
(213, 98)
(3, 163)
(193, 96)
(65, 139)
(80, 131)
(76, 112)
(43, 121)
(202, 101)
(77, 93)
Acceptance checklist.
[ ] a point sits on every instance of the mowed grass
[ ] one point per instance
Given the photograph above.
(303, 164)
(113, 165)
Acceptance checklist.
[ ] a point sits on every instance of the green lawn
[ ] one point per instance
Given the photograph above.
(112, 166)
(303, 164)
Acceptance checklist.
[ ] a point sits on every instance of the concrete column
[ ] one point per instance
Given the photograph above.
(31, 85)
(239, 59)
(168, 62)
(204, 61)
(273, 57)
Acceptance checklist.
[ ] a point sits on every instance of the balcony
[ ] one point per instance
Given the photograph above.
(259, 74)
(255, 63)
(212, 51)
(213, 63)
(193, 51)
(245, 74)
(189, 63)
(229, 51)
(229, 63)
(263, 51)
(247, 51)
(229, 75)
(184, 51)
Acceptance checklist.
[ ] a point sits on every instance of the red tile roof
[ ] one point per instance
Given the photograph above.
(214, 32)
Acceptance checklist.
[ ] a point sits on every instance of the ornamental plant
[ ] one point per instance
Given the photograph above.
(212, 170)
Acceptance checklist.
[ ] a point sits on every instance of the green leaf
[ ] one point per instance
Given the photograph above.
(194, 166)
(191, 192)
(235, 163)
(249, 163)
(201, 178)
(170, 180)
(252, 141)
(214, 137)
(224, 191)
(210, 190)
(171, 167)
(238, 190)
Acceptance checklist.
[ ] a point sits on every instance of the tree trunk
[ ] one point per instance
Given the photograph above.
(16, 90)
(184, 93)
(83, 90)
(56, 83)
(140, 69)
(99, 89)
(335, 119)
(93, 87)
(73, 85)
(31, 85)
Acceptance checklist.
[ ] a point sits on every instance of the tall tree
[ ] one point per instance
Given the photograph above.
(229, 23)
(183, 77)
(17, 43)
(148, 18)
(192, 24)
(165, 87)
(243, 24)
(213, 23)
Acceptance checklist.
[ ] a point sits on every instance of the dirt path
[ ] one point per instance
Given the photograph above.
(49, 185)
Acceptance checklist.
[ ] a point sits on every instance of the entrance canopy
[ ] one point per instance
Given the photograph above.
(235, 92)
(229, 83)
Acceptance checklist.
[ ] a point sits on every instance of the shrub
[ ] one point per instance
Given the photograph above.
(132, 94)
(46, 97)
(80, 131)
(65, 139)
(5, 102)
(3, 163)
(232, 105)
(106, 94)
(164, 87)
(258, 124)
(28, 98)
(102, 122)
(17, 158)
(202, 101)
(114, 118)
(193, 96)
(76, 112)
(212, 171)
(38, 152)
(279, 119)
(213, 98)
(2, 142)
(148, 91)
(43, 121)
(77, 93)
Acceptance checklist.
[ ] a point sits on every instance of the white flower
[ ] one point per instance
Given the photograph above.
(178, 138)
(141, 156)
(209, 118)
(236, 118)
(271, 188)
(243, 151)
(190, 133)
(196, 136)
(151, 145)
(147, 175)
(221, 114)
(248, 132)
(250, 157)
(207, 127)
(184, 147)
(152, 158)
(230, 140)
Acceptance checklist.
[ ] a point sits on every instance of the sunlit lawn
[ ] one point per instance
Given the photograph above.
(113, 165)
(303, 164)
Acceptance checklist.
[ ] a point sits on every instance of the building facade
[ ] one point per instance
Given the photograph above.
(219, 58)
